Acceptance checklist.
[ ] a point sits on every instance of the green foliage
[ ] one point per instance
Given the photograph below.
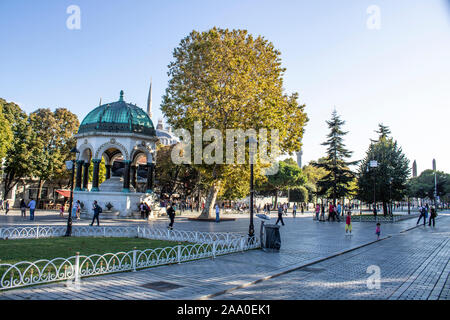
(6, 134)
(54, 140)
(299, 195)
(336, 183)
(423, 186)
(390, 176)
(18, 164)
(231, 80)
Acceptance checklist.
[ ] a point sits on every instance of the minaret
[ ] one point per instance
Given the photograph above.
(149, 100)
(414, 169)
(100, 102)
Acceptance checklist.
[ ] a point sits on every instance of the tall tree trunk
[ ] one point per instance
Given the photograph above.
(208, 211)
(384, 207)
(38, 198)
(276, 200)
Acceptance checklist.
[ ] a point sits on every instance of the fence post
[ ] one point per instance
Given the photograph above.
(214, 250)
(179, 253)
(1, 233)
(104, 231)
(134, 259)
(196, 236)
(137, 232)
(242, 245)
(37, 232)
(77, 268)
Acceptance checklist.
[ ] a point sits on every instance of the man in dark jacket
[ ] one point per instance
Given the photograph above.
(280, 215)
(97, 210)
(171, 214)
(432, 215)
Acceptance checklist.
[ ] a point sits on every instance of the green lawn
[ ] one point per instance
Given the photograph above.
(12, 251)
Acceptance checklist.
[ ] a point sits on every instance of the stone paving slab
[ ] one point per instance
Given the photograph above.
(303, 242)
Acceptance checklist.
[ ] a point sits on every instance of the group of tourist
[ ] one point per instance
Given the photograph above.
(423, 210)
(4, 205)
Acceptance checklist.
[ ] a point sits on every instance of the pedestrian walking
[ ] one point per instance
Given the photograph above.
(422, 211)
(339, 209)
(6, 207)
(294, 210)
(97, 210)
(433, 215)
(302, 208)
(378, 230)
(142, 210)
(78, 211)
(1, 204)
(317, 212)
(171, 214)
(75, 209)
(330, 212)
(148, 210)
(217, 213)
(23, 209)
(61, 210)
(348, 223)
(32, 207)
(322, 213)
(280, 215)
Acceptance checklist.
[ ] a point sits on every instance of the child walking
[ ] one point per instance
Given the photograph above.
(348, 223)
(378, 231)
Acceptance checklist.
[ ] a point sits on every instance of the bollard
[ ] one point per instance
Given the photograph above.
(179, 254)
(242, 245)
(134, 259)
(77, 268)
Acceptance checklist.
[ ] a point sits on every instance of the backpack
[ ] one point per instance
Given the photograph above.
(100, 209)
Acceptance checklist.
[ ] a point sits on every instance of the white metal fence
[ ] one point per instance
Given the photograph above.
(205, 245)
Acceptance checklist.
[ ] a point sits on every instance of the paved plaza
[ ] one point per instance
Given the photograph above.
(317, 260)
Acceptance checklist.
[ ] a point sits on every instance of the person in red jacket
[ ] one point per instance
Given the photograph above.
(348, 223)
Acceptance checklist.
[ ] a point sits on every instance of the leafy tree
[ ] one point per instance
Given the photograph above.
(5, 133)
(336, 183)
(389, 178)
(314, 175)
(54, 134)
(289, 176)
(17, 164)
(230, 79)
(175, 178)
(423, 185)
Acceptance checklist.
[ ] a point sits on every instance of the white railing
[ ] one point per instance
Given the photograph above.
(205, 245)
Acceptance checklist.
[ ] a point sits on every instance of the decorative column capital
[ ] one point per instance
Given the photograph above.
(96, 160)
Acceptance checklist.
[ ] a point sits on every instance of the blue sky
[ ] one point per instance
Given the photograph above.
(398, 75)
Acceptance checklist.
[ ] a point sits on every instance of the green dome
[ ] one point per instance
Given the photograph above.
(118, 116)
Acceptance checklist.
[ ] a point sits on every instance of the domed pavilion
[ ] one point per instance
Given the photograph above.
(112, 131)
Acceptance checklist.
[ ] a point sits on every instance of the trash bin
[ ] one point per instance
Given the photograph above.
(273, 239)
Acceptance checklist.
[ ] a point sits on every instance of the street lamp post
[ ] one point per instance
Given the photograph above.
(70, 165)
(374, 164)
(252, 142)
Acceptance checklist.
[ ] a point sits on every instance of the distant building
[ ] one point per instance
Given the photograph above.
(166, 137)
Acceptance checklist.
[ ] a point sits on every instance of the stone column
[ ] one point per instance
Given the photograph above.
(150, 173)
(79, 171)
(108, 171)
(95, 174)
(86, 175)
(133, 173)
(126, 176)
